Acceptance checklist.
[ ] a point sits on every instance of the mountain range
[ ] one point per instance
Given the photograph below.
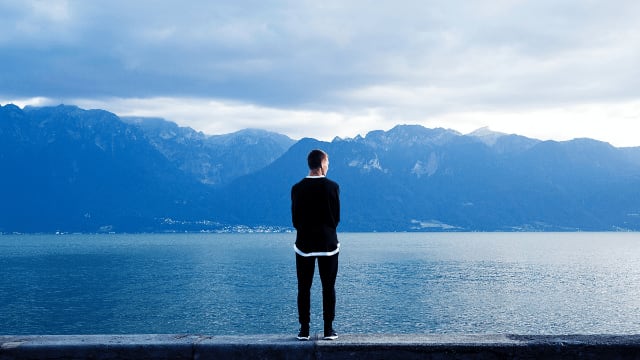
(66, 169)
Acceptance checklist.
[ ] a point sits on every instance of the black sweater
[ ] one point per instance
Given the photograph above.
(315, 212)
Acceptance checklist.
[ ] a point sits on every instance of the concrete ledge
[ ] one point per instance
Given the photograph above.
(370, 347)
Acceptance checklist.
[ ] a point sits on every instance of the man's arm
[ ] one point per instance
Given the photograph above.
(294, 209)
(336, 205)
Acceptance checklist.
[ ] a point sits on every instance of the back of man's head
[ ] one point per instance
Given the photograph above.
(315, 159)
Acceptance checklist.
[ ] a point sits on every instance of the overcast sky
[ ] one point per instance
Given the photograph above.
(549, 69)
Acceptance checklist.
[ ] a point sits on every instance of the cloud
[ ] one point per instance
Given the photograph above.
(295, 53)
(297, 64)
(219, 117)
(552, 123)
(614, 123)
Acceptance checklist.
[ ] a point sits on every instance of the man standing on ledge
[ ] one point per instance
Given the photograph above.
(315, 212)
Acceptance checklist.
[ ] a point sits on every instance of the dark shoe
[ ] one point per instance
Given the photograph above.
(303, 335)
(330, 335)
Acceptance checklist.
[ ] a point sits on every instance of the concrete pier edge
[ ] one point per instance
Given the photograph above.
(363, 346)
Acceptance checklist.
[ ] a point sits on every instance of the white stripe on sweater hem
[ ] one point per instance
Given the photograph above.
(330, 253)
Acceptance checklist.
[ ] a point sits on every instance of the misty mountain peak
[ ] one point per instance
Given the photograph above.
(252, 136)
(486, 135)
(410, 135)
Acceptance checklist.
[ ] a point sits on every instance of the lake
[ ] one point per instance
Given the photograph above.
(523, 283)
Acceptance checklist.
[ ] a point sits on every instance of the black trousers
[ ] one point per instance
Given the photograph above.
(328, 268)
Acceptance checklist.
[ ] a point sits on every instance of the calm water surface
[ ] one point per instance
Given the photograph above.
(525, 283)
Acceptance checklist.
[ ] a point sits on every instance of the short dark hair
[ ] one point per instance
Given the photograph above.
(315, 159)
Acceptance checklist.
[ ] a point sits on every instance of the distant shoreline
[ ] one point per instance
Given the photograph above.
(289, 231)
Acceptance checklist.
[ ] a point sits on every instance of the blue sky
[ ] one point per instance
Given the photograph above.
(546, 69)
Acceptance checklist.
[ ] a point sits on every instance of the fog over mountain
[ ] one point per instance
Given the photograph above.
(73, 170)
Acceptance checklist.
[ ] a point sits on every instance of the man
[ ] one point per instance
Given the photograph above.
(315, 212)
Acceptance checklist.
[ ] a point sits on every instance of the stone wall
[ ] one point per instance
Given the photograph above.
(370, 347)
